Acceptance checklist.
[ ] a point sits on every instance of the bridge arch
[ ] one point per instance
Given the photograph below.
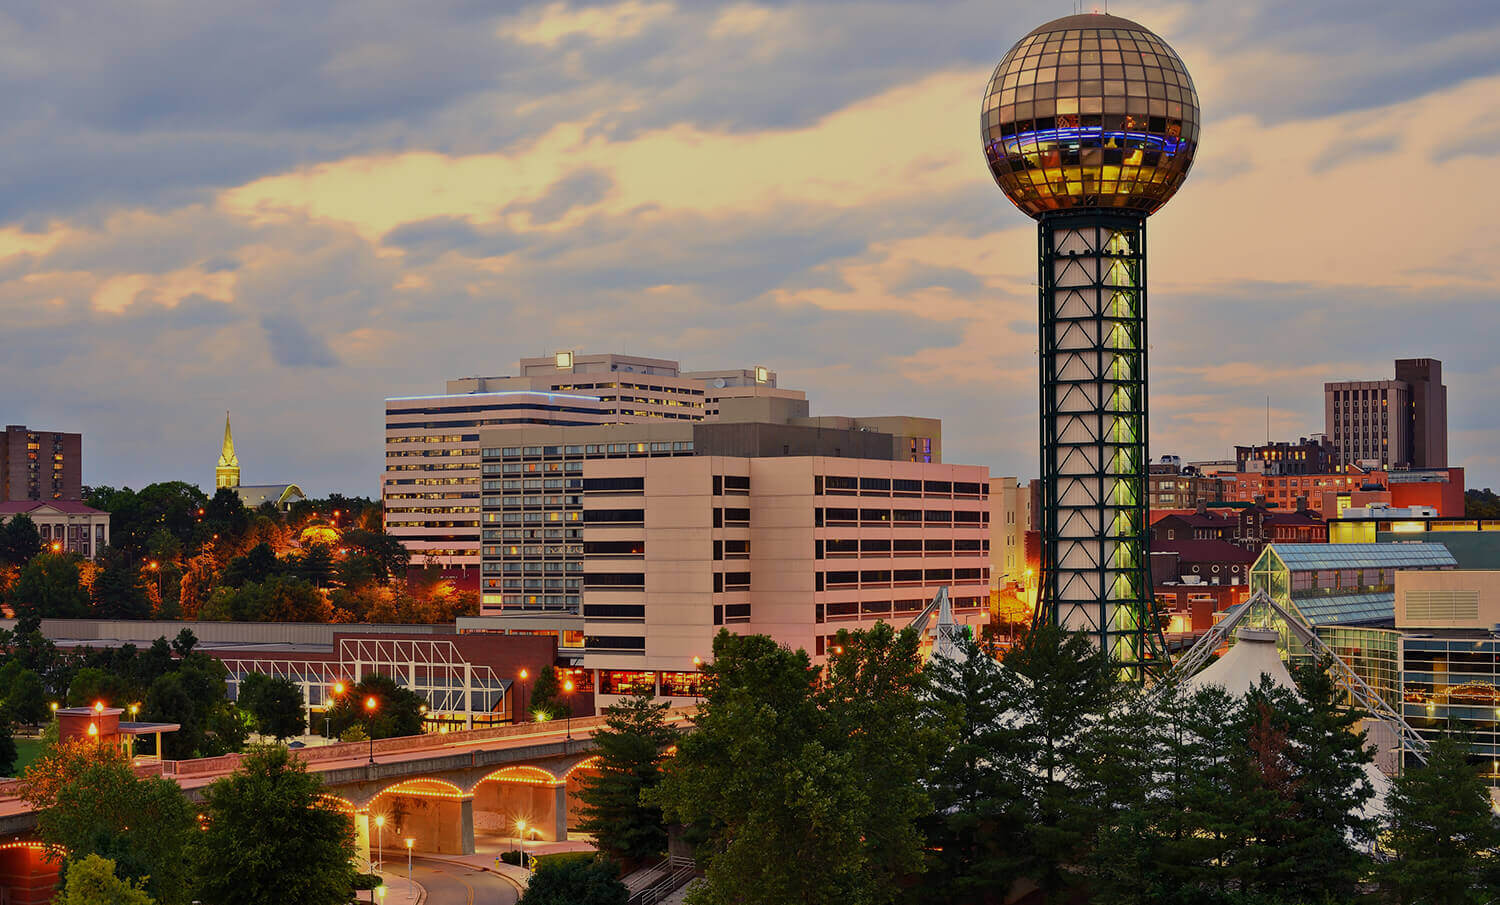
(517, 802)
(573, 782)
(434, 813)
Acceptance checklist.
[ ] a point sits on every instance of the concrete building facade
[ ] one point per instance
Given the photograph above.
(40, 465)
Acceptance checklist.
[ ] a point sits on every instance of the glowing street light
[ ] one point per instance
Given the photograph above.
(98, 706)
(521, 841)
(568, 690)
(409, 843)
(370, 707)
(380, 841)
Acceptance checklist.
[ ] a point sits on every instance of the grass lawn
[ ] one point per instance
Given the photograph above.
(26, 751)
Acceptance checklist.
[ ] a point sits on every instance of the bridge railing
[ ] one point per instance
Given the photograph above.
(353, 750)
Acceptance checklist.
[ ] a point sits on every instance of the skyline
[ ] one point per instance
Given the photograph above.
(296, 221)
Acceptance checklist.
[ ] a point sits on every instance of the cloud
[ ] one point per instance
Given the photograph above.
(213, 211)
(293, 346)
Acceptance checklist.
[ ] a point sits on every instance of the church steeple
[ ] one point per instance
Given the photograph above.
(227, 474)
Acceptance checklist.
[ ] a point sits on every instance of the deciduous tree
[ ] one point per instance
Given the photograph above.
(92, 881)
(275, 705)
(269, 839)
(570, 881)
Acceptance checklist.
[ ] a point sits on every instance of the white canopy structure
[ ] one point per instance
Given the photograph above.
(1253, 655)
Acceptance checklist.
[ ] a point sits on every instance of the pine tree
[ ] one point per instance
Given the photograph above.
(630, 747)
(1067, 688)
(1442, 834)
(976, 831)
(546, 702)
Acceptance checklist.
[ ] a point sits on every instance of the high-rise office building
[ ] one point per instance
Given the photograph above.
(1089, 126)
(1400, 423)
(40, 465)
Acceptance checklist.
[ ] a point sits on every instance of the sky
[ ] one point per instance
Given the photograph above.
(293, 210)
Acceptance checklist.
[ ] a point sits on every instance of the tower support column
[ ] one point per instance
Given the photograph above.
(1095, 566)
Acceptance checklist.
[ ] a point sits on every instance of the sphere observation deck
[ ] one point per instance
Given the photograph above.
(1090, 112)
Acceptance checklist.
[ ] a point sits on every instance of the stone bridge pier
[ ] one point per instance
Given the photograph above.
(459, 800)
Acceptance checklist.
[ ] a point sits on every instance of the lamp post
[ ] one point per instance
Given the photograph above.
(521, 841)
(521, 702)
(370, 711)
(380, 841)
(338, 689)
(409, 842)
(568, 690)
(155, 566)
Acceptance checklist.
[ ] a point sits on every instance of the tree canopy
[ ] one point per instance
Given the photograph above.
(269, 839)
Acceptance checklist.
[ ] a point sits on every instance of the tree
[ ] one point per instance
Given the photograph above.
(25, 697)
(976, 827)
(274, 704)
(397, 711)
(778, 777)
(1067, 686)
(1442, 833)
(19, 541)
(92, 881)
(89, 801)
(49, 588)
(119, 592)
(545, 702)
(630, 748)
(569, 881)
(269, 839)
(8, 751)
(91, 684)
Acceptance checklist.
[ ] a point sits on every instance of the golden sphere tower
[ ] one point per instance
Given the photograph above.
(1089, 125)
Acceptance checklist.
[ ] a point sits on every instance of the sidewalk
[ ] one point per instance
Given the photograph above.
(396, 891)
(490, 861)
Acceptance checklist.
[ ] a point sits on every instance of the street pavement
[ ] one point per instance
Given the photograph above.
(455, 883)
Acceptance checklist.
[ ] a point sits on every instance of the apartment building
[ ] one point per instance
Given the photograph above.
(40, 465)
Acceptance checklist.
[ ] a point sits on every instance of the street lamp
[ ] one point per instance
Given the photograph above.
(568, 690)
(521, 841)
(380, 841)
(409, 842)
(338, 689)
(155, 566)
(370, 709)
(520, 704)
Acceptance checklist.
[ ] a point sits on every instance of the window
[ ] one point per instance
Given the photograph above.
(614, 611)
(614, 484)
(614, 548)
(627, 581)
(616, 516)
(682, 684)
(626, 683)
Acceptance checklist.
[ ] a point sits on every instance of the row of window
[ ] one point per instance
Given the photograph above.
(836, 547)
(835, 485)
(848, 578)
(587, 449)
(832, 516)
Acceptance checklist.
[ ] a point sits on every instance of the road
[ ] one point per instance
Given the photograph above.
(453, 884)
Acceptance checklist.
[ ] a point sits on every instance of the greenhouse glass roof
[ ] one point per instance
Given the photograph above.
(1309, 557)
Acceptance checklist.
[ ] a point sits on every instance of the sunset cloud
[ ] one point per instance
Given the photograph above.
(295, 215)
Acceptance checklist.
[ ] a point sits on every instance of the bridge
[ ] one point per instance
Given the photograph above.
(442, 791)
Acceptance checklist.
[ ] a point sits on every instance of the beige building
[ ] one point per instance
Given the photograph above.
(431, 484)
(647, 543)
(1010, 519)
